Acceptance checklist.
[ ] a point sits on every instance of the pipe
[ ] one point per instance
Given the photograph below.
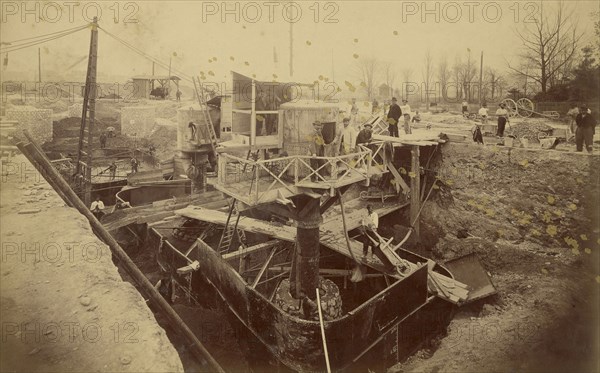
(55, 178)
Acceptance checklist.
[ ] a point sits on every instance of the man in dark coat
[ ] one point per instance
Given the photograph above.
(393, 117)
(586, 128)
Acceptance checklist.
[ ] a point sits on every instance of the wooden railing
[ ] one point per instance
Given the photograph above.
(253, 181)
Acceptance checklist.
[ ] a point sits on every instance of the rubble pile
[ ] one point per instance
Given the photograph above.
(137, 120)
(531, 130)
(37, 121)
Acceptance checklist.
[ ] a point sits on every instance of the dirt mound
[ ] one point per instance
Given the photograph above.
(530, 130)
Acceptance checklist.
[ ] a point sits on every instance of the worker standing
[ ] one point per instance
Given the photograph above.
(192, 127)
(483, 113)
(102, 140)
(393, 117)
(97, 207)
(369, 224)
(134, 165)
(113, 170)
(465, 108)
(502, 114)
(178, 95)
(407, 128)
(586, 128)
(375, 106)
(405, 108)
(347, 140)
(571, 115)
(317, 149)
(354, 111)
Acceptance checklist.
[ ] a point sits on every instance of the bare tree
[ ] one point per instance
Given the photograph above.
(466, 73)
(427, 74)
(443, 74)
(548, 46)
(367, 69)
(406, 76)
(456, 76)
(389, 76)
(493, 81)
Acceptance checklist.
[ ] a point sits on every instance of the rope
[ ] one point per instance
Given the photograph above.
(145, 55)
(59, 35)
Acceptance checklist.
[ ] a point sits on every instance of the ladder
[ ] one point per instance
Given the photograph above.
(227, 235)
(210, 129)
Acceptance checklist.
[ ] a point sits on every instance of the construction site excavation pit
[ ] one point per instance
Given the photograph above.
(524, 215)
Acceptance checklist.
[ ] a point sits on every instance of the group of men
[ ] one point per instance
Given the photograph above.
(110, 132)
(346, 141)
(393, 117)
(582, 124)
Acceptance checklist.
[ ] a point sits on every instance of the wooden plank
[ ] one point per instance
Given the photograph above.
(331, 239)
(251, 249)
(264, 267)
(400, 181)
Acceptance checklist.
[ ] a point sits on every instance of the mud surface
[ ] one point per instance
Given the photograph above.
(532, 218)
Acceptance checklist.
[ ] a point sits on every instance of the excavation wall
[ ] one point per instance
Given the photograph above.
(65, 308)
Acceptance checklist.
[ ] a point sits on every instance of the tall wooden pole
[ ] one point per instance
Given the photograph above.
(415, 189)
(39, 65)
(480, 77)
(291, 45)
(84, 168)
(64, 190)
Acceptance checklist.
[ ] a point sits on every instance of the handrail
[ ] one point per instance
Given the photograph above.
(296, 170)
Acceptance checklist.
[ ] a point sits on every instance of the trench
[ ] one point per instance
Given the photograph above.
(491, 201)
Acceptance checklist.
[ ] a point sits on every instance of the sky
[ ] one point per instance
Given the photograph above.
(329, 36)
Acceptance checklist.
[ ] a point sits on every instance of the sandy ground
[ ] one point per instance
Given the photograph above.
(532, 219)
(64, 306)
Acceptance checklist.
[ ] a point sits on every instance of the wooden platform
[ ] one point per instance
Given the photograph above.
(159, 210)
(331, 232)
(263, 190)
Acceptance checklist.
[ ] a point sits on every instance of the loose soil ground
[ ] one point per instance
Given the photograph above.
(532, 218)
(64, 307)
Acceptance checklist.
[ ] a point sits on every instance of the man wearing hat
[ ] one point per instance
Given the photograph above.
(347, 139)
(393, 117)
(502, 114)
(317, 149)
(405, 107)
(365, 135)
(586, 127)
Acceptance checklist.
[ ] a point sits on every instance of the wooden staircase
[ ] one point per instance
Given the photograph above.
(211, 135)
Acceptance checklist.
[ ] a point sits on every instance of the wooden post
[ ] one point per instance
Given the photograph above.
(323, 331)
(415, 181)
(55, 179)
(253, 117)
(89, 106)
